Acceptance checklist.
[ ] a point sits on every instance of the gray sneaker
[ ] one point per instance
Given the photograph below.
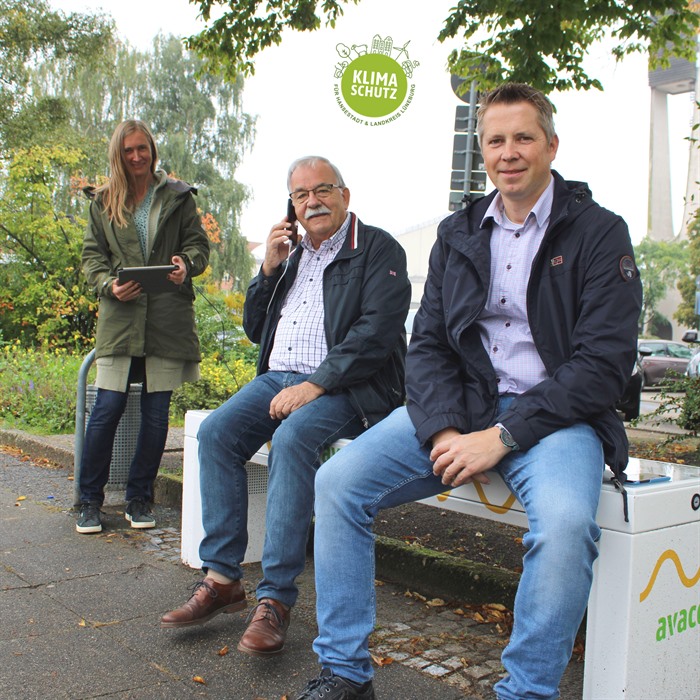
(139, 514)
(89, 519)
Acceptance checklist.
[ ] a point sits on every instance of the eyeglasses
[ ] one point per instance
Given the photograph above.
(322, 191)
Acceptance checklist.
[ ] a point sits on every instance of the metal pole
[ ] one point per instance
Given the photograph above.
(79, 438)
(469, 155)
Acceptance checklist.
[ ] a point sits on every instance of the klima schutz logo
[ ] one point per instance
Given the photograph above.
(373, 83)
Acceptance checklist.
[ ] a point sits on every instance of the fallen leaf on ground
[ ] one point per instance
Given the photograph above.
(199, 679)
(223, 651)
(382, 660)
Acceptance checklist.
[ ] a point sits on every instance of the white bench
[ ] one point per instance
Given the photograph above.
(643, 622)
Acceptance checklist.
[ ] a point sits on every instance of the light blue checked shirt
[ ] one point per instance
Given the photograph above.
(300, 340)
(503, 323)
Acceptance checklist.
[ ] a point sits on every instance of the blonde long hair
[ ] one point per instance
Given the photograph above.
(116, 192)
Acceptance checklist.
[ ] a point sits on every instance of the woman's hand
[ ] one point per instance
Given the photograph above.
(178, 276)
(126, 292)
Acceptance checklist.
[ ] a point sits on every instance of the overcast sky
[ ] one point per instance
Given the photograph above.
(399, 173)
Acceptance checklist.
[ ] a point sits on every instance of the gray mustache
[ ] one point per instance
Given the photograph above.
(318, 211)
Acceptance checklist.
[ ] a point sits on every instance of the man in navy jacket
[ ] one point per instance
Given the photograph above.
(328, 311)
(524, 340)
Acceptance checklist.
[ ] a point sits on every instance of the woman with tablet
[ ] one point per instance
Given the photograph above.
(145, 333)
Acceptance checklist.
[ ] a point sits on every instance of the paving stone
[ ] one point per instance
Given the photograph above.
(477, 672)
(436, 671)
(397, 626)
(434, 654)
(454, 663)
(417, 662)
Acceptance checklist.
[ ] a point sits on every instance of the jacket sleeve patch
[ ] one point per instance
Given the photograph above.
(628, 269)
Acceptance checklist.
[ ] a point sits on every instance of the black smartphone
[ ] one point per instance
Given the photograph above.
(292, 218)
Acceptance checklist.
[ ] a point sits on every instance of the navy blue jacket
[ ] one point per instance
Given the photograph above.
(366, 295)
(583, 300)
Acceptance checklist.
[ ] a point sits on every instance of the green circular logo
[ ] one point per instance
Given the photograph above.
(374, 85)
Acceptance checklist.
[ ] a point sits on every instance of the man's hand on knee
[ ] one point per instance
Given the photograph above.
(459, 459)
(294, 397)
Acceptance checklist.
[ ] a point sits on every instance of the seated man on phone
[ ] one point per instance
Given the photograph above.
(328, 312)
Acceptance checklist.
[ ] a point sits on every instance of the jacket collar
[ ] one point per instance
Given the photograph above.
(463, 230)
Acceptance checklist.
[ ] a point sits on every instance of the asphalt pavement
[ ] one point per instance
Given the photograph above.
(81, 612)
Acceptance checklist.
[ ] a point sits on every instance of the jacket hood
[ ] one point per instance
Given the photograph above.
(180, 187)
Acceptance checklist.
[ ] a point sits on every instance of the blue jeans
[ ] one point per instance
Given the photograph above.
(558, 481)
(99, 441)
(228, 438)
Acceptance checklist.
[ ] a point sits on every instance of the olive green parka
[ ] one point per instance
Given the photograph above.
(161, 325)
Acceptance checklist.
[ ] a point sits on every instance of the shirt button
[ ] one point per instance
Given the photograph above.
(517, 235)
(495, 348)
(508, 267)
(507, 324)
(503, 300)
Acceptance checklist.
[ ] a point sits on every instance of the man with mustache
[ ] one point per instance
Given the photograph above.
(525, 337)
(329, 316)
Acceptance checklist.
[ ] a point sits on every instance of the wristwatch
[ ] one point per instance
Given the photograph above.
(507, 439)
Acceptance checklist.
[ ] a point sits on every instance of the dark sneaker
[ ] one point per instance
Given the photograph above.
(138, 513)
(89, 519)
(328, 686)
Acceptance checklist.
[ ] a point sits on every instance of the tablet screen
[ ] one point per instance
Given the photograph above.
(153, 279)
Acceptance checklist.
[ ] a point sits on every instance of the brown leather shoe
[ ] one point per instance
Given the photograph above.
(267, 629)
(208, 599)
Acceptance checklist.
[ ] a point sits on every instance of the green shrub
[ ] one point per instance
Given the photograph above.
(679, 402)
(38, 388)
(220, 380)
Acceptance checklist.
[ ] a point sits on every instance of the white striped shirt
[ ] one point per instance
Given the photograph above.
(504, 326)
(300, 340)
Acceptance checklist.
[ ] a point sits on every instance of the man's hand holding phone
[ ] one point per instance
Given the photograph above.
(282, 238)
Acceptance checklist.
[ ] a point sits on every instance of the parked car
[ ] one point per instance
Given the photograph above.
(662, 360)
(693, 369)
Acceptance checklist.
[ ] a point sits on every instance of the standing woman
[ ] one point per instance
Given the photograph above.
(138, 217)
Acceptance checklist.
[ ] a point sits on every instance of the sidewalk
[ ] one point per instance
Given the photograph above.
(80, 613)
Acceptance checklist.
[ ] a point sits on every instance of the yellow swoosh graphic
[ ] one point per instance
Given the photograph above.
(482, 497)
(669, 555)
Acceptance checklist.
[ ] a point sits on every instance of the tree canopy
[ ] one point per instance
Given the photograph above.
(661, 264)
(540, 43)
(65, 83)
(31, 32)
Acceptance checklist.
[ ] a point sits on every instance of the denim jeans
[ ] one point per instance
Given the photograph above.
(228, 438)
(99, 441)
(558, 481)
